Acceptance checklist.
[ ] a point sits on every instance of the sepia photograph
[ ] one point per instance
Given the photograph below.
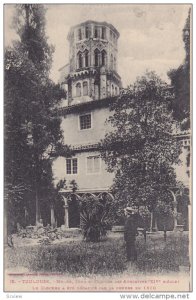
(97, 148)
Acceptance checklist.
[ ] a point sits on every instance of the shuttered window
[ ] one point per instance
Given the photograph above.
(93, 164)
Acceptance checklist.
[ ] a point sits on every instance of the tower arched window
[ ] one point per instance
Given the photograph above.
(96, 57)
(87, 32)
(111, 61)
(85, 88)
(79, 60)
(103, 32)
(103, 58)
(114, 63)
(116, 91)
(78, 89)
(112, 90)
(96, 32)
(79, 34)
(86, 58)
(110, 35)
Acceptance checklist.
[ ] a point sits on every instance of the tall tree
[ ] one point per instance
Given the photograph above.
(141, 149)
(29, 22)
(32, 131)
(180, 80)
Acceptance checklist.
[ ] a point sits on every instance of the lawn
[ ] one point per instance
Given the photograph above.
(106, 257)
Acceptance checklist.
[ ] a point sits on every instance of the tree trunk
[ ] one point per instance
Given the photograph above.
(36, 182)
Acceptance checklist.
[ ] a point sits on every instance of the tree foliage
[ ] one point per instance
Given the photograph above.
(32, 132)
(180, 80)
(141, 148)
(29, 22)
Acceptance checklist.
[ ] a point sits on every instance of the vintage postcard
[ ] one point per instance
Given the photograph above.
(97, 104)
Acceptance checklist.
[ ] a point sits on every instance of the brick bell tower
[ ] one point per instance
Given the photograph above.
(92, 70)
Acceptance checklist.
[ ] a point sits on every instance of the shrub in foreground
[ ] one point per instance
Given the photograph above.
(94, 217)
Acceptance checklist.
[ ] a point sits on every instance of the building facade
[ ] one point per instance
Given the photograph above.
(92, 81)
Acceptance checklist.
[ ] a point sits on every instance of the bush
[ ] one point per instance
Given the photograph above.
(94, 218)
(43, 233)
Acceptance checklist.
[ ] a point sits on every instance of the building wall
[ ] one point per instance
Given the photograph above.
(74, 136)
(183, 168)
(86, 182)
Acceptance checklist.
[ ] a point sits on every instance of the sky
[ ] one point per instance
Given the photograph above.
(150, 35)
